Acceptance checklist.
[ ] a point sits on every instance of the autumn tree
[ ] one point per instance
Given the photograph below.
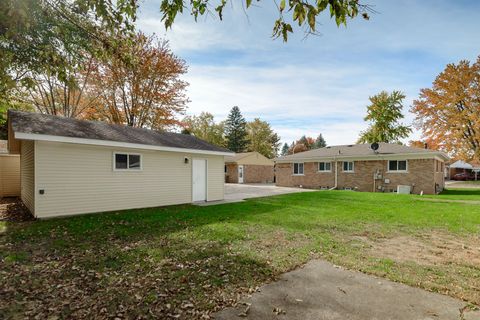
(448, 113)
(145, 91)
(236, 131)
(262, 138)
(204, 127)
(303, 144)
(319, 142)
(50, 95)
(416, 144)
(384, 114)
(46, 35)
(39, 34)
(303, 13)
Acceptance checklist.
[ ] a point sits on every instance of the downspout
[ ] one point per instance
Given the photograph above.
(336, 174)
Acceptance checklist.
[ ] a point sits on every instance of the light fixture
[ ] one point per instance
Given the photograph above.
(186, 160)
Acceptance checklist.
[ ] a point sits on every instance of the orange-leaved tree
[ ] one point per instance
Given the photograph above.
(303, 144)
(449, 112)
(72, 97)
(141, 85)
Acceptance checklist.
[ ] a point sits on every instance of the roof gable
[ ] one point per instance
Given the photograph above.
(252, 158)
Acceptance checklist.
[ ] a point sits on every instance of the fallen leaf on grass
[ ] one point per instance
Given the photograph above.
(279, 311)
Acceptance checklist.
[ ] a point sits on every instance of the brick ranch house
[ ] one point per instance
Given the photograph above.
(359, 167)
(249, 167)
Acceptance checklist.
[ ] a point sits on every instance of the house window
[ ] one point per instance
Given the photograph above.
(127, 161)
(397, 165)
(298, 168)
(348, 166)
(325, 166)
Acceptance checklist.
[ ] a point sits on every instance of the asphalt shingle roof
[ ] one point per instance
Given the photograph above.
(36, 123)
(237, 156)
(357, 150)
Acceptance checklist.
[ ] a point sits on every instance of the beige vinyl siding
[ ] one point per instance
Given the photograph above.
(216, 177)
(27, 174)
(9, 175)
(81, 179)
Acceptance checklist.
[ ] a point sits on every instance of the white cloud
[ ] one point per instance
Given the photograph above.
(321, 84)
(320, 100)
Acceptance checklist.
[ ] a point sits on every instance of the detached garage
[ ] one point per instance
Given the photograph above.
(249, 167)
(72, 166)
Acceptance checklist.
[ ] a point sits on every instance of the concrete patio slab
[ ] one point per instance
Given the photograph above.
(462, 184)
(239, 192)
(322, 291)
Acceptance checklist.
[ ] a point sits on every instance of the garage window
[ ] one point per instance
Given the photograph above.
(397, 165)
(127, 161)
(298, 168)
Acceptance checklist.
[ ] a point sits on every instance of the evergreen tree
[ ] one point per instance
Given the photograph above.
(319, 142)
(285, 149)
(236, 131)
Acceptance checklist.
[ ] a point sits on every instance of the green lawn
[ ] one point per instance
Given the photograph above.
(458, 194)
(190, 261)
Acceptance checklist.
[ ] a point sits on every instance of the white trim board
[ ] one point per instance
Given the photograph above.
(108, 143)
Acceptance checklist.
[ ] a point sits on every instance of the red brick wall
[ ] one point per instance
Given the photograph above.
(257, 174)
(421, 175)
(231, 176)
(251, 173)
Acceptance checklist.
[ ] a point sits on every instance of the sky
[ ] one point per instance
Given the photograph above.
(316, 84)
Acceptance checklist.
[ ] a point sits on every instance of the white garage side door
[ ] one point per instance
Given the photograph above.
(199, 179)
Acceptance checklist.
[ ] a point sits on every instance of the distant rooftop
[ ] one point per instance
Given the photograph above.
(359, 150)
(237, 156)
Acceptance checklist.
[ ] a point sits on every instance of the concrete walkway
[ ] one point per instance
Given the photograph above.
(322, 291)
(238, 192)
(462, 184)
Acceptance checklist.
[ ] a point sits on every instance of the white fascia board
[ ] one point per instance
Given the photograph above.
(108, 143)
(398, 156)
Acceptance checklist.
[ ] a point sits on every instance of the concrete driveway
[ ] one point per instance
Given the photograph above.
(322, 291)
(238, 192)
(462, 184)
(235, 191)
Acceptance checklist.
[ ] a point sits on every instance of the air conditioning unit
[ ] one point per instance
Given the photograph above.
(403, 189)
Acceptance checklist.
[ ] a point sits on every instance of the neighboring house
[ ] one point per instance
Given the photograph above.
(9, 172)
(249, 167)
(72, 166)
(358, 167)
(458, 166)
